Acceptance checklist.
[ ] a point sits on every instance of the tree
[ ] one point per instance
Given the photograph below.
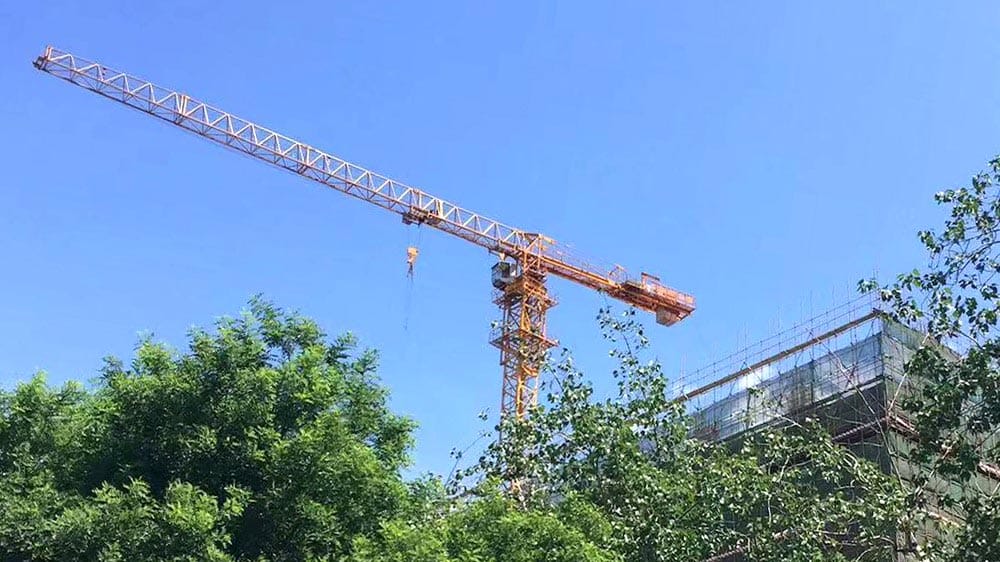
(262, 440)
(494, 528)
(956, 405)
(267, 441)
(781, 495)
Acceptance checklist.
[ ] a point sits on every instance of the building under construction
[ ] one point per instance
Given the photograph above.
(845, 369)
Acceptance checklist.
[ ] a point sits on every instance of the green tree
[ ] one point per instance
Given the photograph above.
(955, 406)
(495, 529)
(789, 494)
(266, 441)
(263, 439)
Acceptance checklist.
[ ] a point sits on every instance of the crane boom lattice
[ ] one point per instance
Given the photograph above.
(525, 258)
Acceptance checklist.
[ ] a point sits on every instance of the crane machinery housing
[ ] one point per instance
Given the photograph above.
(524, 259)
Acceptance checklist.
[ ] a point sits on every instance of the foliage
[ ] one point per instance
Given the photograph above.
(493, 529)
(665, 496)
(955, 406)
(263, 440)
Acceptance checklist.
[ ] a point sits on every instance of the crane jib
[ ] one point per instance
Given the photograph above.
(521, 292)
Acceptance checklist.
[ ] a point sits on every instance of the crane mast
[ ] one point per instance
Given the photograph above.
(525, 259)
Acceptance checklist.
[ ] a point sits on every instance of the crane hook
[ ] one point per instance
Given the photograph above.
(411, 259)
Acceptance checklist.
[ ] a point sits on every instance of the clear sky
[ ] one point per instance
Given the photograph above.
(763, 156)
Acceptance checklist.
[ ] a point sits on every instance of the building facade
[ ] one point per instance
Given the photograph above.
(844, 369)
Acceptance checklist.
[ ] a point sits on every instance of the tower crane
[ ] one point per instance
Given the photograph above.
(524, 259)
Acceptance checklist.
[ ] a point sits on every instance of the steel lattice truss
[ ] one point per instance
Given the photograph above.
(535, 255)
(413, 204)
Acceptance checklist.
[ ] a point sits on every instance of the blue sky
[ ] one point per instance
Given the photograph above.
(763, 157)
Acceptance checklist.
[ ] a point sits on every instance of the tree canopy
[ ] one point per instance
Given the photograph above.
(782, 494)
(956, 409)
(262, 440)
(265, 440)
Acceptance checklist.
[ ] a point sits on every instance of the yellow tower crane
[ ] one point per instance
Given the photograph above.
(525, 259)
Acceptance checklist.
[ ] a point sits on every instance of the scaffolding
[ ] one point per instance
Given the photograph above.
(836, 356)
(845, 369)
